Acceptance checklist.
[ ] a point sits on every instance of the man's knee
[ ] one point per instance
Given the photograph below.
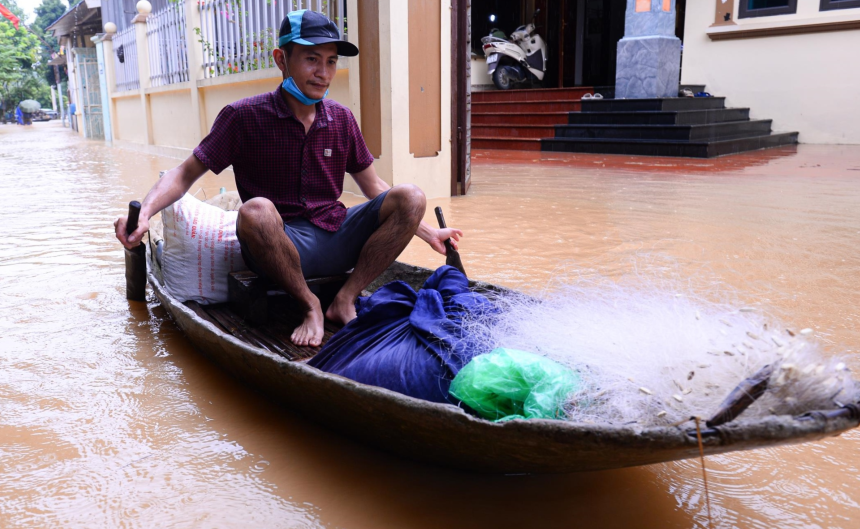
(410, 200)
(255, 213)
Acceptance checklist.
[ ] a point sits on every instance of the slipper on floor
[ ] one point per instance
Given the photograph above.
(703, 94)
(686, 92)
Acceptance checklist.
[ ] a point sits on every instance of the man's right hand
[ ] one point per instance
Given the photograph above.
(134, 239)
(170, 188)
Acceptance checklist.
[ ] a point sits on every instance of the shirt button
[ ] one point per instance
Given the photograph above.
(304, 200)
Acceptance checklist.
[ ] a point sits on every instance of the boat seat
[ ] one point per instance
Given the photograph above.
(248, 293)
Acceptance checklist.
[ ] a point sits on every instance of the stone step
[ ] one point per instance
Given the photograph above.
(539, 94)
(559, 105)
(511, 144)
(518, 118)
(690, 133)
(649, 117)
(514, 131)
(701, 149)
(657, 104)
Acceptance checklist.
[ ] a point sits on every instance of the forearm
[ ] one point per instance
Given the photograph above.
(425, 232)
(171, 187)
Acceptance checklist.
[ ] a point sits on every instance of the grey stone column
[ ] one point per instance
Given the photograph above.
(649, 55)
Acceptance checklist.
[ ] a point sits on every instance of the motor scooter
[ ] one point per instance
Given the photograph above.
(516, 60)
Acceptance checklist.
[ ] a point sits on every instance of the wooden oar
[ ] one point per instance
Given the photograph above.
(452, 256)
(742, 397)
(135, 259)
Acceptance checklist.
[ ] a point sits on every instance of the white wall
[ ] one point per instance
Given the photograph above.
(808, 83)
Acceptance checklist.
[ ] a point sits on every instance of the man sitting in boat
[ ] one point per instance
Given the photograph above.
(290, 150)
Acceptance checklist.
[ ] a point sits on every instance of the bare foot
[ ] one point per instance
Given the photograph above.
(310, 332)
(341, 311)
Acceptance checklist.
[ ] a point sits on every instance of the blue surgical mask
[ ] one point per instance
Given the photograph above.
(290, 86)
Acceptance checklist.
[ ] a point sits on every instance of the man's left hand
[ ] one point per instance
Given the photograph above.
(437, 240)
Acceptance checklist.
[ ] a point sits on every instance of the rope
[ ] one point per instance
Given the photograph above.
(704, 473)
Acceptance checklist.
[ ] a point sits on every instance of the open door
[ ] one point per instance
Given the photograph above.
(461, 96)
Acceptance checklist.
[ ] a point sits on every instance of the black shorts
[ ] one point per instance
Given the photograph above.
(322, 252)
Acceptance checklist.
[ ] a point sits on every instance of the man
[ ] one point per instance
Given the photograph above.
(290, 150)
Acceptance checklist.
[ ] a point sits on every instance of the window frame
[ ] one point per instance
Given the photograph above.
(833, 5)
(790, 9)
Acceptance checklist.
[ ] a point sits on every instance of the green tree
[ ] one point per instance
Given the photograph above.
(19, 64)
(46, 14)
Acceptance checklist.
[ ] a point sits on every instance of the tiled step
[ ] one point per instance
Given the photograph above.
(664, 104)
(690, 133)
(514, 131)
(514, 144)
(514, 118)
(686, 117)
(540, 94)
(558, 105)
(699, 149)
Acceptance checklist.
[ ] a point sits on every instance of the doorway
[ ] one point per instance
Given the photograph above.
(584, 35)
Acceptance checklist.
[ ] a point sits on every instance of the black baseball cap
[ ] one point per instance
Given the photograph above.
(310, 28)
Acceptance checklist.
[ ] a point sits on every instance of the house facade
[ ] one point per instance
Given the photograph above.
(170, 67)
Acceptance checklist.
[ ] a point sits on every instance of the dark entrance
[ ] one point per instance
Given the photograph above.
(584, 35)
(581, 35)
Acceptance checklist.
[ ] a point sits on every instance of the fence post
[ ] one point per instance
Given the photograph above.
(110, 72)
(100, 40)
(144, 8)
(195, 66)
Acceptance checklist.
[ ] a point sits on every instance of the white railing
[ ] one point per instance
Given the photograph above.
(168, 54)
(239, 35)
(125, 60)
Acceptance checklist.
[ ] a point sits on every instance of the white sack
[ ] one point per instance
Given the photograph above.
(200, 250)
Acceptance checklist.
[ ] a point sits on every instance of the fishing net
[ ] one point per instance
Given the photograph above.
(653, 355)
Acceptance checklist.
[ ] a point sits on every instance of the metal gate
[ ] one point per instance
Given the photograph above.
(87, 67)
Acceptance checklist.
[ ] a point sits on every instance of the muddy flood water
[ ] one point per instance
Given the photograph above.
(109, 417)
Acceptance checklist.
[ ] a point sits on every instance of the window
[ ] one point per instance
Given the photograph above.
(767, 8)
(828, 5)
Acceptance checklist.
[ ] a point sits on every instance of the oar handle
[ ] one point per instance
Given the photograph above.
(133, 217)
(440, 217)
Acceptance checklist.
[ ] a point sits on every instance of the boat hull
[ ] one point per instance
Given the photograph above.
(445, 435)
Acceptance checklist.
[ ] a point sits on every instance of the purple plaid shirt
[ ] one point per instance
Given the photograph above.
(273, 158)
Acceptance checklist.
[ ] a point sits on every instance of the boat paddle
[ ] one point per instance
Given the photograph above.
(135, 259)
(452, 256)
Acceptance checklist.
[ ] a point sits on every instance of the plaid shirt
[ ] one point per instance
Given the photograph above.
(273, 158)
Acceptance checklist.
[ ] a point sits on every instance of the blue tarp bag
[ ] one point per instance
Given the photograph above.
(406, 341)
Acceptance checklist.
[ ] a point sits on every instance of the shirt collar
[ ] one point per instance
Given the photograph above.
(321, 120)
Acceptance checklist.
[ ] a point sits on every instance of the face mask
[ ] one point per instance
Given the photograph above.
(290, 86)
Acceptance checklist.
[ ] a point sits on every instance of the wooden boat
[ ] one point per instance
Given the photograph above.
(263, 358)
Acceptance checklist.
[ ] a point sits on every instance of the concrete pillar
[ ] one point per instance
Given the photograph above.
(195, 67)
(99, 41)
(649, 55)
(139, 21)
(110, 76)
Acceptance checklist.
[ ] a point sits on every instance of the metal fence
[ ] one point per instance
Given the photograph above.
(168, 53)
(239, 35)
(125, 60)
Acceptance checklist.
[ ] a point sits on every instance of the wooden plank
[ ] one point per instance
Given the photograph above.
(370, 75)
(201, 312)
(425, 78)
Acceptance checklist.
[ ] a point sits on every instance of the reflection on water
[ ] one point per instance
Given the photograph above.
(109, 418)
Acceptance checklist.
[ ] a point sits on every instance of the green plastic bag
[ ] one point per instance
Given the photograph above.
(508, 384)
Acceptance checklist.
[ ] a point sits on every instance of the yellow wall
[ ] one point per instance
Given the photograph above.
(129, 122)
(170, 124)
(805, 82)
(177, 123)
(479, 71)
